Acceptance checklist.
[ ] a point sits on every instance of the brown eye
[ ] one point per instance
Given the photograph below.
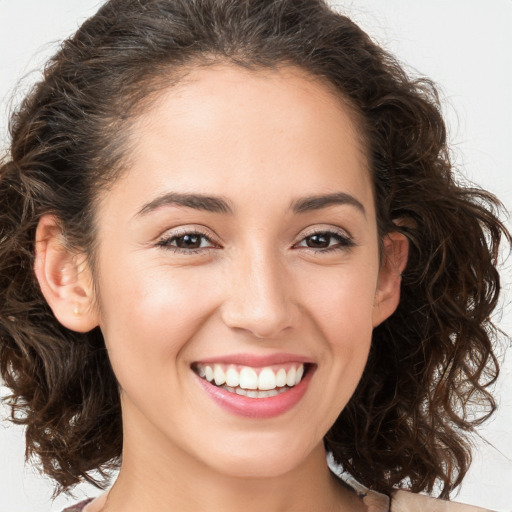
(192, 241)
(326, 241)
(186, 242)
(318, 241)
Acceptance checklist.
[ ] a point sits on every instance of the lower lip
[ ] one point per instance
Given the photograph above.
(258, 407)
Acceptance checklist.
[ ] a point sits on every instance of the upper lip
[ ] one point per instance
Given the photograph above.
(256, 360)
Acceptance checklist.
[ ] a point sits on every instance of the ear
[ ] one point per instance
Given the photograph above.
(394, 260)
(64, 277)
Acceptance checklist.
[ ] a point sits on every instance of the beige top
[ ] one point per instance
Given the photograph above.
(401, 501)
(405, 501)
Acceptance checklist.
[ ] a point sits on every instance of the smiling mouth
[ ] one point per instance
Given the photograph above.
(251, 382)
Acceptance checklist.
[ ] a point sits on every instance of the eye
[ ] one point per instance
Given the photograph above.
(186, 242)
(325, 241)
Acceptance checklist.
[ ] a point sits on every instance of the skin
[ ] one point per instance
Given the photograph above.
(261, 140)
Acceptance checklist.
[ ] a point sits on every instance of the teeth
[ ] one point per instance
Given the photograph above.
(245, 379)
(266, 379)
(251, 393)
(290, 376)
(281, 378)
(232, 378)
(219, 375)
(299, 374)
(248, 378)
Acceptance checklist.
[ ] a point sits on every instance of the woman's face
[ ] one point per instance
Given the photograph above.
(241, 244)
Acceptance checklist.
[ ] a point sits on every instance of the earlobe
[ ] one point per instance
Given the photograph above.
(394, 260)
(64, 278)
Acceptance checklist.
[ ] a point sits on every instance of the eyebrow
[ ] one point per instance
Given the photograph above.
(218, 204)
(196, 201)
(307, 204)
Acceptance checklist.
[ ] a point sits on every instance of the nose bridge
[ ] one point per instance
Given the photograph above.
(258, 299)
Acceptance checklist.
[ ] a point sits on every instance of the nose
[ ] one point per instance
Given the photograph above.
(259, 297)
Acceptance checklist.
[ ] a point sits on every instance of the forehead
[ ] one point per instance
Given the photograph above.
(223, 129)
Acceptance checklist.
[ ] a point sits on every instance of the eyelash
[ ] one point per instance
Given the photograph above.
(166, 242)
(344, 242)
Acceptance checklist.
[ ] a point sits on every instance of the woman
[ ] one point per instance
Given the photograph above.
(231, 242)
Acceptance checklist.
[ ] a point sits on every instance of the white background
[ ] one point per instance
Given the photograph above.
(464, 45)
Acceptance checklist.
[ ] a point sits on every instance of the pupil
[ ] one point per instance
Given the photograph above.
(318, 241)
(189, 241)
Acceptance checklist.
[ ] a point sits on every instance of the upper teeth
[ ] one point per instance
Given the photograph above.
(247, 377)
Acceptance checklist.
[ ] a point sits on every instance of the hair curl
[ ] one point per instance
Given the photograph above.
(428, 363)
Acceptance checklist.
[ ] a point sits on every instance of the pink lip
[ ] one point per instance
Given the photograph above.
(257, 407)
(255, 360)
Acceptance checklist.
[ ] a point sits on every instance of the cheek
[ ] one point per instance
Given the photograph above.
(341, 301)
(148, 316)
(341, 307)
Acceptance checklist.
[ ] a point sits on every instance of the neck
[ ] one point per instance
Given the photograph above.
(160, 477)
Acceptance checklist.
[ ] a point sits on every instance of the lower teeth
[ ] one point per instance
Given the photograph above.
(252, 393)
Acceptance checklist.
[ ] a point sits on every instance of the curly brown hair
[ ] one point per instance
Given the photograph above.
(432, 359)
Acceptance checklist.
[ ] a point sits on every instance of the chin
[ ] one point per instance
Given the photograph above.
(260, 458)
(248, 468)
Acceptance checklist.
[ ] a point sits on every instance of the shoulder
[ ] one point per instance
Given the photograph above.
(404, 501)
(79, 507)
